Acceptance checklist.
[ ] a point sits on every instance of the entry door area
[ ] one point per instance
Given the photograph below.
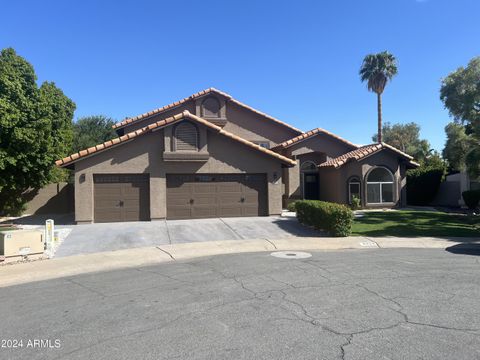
(311, 186)
(121, 197)
(216, 195)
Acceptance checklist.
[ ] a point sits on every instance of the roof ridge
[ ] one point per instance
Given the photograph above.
(148, 114)
(183, 115)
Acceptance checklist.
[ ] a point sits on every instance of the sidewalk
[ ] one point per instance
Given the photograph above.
(73, 265)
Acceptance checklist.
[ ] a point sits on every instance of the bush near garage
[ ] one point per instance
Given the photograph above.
(423, 184)
(291, 206)
(334, 218)
(471, 198)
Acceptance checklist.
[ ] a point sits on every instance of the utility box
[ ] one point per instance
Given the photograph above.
(21, 244)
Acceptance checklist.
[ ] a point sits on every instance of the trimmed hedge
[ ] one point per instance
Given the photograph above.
(335, 218)
(471, 198)
(423, 184)
(291, 206)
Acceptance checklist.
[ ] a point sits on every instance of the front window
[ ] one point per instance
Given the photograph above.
(353, 189)
(379, 186)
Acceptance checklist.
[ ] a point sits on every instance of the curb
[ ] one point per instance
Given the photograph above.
(120, 259)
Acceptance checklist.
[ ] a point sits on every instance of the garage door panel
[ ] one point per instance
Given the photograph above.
(176, 212)
(230, 188)
(201, 188)
(231, 211)
(203, 212)
(179, 200)
(216, 195)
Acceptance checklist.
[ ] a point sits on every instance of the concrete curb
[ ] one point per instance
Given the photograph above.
(112, 260)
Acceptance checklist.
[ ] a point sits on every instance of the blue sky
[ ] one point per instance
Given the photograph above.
(295, 60)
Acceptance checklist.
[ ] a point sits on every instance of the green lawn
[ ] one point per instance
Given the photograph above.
(416, 223)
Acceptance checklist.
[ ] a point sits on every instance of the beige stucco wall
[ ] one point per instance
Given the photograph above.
(320, 143)
(144, 155)
(253, 127)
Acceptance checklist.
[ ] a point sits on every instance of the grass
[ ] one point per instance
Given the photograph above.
(416, 223)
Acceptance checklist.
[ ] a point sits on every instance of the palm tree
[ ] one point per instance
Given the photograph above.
(377, 70)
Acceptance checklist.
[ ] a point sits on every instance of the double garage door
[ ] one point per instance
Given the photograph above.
(216, 195)
(126, 197)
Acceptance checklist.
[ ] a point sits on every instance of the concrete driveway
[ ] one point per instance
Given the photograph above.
(353, 304)
(116, 236)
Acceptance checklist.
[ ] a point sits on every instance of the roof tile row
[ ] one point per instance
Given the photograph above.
(363, 152)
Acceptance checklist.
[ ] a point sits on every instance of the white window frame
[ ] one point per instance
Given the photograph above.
(381, 183)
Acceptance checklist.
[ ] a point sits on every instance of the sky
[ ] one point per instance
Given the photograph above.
(295, 60)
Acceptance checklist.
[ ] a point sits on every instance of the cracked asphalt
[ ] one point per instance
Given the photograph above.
(354, 304)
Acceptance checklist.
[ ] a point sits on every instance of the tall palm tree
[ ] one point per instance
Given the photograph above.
(377, 70)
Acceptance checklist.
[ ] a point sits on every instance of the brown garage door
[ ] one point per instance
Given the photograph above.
(216, 195)
(121, 197)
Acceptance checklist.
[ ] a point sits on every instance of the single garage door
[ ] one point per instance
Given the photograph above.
(121, 197)
(216, 195)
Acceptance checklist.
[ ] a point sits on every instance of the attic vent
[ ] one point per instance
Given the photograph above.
(186, 137)
(211, 107)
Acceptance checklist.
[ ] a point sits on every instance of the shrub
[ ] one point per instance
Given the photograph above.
(423, 184)
(291, 206)
(335, 218)
(471, 198)
(356, 203)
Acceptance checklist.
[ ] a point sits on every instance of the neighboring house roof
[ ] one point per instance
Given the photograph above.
(363, 152)
(159, 124)
(310, 134)
(175, 104)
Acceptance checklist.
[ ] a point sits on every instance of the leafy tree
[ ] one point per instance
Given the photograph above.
(35, 130)
(457, 146)
(406, 137)
(377, 70)
(92, 130)
(460, 93)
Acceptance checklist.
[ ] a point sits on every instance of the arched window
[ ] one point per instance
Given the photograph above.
(211, 107)
(354, 187)
(186, 137)
(380, 186)
(308, 166)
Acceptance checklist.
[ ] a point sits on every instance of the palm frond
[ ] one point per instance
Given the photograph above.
(377, 70)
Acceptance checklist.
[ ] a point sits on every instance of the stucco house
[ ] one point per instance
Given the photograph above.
(210, 155)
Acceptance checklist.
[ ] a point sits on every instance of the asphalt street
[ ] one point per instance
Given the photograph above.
(351, 304)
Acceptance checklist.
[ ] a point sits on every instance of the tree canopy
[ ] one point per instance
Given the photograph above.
(406, 137)
(35, 130)
(92, 130)
(460, 93)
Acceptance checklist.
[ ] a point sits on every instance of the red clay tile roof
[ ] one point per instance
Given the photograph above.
(192, 97)
(363, 152)
(162, 123)
(310, 134)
